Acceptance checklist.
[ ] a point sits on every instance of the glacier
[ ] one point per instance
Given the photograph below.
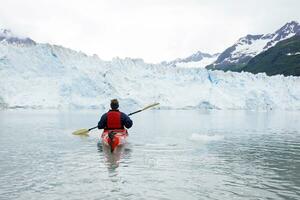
(44, 76)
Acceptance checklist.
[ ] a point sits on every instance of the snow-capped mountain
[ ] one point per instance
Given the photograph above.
(287, 31)
(51, 76)
(9, 37)
(238, 55)
(283, 58)
(196, 60)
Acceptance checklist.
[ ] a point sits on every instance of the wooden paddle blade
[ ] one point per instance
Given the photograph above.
(150, 106)
(81, 132)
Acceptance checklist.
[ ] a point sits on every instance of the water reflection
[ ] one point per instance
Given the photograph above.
(112, 160)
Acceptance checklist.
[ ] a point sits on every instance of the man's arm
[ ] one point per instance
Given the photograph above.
(126, 121)
(102, 122)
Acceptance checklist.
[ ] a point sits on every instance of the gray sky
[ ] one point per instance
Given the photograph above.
(154, 30)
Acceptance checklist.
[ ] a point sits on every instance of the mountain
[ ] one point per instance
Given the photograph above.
(44, 76)
(196, 60)
(7, 36)
(238, 55)
(283, 58)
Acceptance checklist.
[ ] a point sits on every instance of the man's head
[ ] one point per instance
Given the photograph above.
(114, 104)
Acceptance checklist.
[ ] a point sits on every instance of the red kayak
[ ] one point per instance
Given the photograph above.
(114, 138)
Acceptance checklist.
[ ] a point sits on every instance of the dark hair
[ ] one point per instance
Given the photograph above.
(114, 104)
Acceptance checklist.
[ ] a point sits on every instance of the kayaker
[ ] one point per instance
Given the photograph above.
(114, 119)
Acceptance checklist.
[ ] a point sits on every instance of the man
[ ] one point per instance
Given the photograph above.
(114, 119)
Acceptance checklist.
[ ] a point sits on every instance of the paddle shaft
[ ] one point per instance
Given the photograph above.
(147, 107)
(135, 112)
(92, 128)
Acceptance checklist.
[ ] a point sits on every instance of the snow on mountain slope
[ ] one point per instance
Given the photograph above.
(49, 76)
(287, 31)
(196, 60)
(9, 37)
(197, 64)
(238, 55)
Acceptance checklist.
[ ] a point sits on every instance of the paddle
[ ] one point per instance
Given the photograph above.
(84, 132)
(147, 107)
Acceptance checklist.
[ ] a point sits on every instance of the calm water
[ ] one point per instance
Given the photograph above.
(170, 155)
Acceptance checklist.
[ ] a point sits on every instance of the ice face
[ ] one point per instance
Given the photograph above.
(49, 76)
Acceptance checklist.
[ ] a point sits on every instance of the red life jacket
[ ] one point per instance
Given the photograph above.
(114, 120)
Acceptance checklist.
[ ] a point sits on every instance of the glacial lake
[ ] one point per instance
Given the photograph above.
(177, 154)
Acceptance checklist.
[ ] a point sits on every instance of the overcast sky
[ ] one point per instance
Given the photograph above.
(154, 30)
